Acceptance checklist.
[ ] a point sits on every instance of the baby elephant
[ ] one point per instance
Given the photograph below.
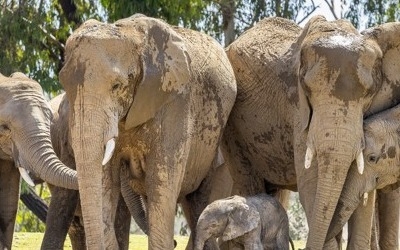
(257, 222)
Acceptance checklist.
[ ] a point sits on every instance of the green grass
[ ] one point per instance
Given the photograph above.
(31, 241)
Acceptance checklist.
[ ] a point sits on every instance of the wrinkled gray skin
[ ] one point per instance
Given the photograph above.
(257, 222)
(163, 94)
(382, 172)
(24, 140)
(307, 88)
(64, 213)
(387, 219)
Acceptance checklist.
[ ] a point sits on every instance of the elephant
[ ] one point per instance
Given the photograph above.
(256, 222)
(25, 146)
(64, 212)
(156, 97)
(303, 93)
(382, 172)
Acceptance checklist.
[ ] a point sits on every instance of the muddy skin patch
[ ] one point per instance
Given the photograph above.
(74, 76)
(160, 39)
(391, 152)
(347, 86)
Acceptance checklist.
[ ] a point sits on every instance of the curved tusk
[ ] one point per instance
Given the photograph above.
(110, 146)
(309, 158)
(365, 199)
(360, 162)
(25, 176)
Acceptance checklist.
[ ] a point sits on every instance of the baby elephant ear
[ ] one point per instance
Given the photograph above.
(166, 70)
(241, 220)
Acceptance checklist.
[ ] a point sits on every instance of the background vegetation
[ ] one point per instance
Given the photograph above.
(34, 32)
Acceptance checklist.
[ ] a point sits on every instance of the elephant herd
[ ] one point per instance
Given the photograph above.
(154, 115)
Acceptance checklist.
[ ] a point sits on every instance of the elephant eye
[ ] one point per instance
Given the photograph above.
(115, 86)
(372, 158)
(4, 128)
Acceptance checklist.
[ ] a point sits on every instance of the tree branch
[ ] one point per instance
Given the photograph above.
(331, 6)
(308, 14)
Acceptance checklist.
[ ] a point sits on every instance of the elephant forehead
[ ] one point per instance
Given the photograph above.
(343, 64)
(99, 61)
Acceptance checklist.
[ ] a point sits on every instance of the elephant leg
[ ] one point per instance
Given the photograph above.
(9, 196)
(76, 234)
(360, 224)
(283, 196)
(59, 217)
(388, 209)
(217, 185)
(122, 224)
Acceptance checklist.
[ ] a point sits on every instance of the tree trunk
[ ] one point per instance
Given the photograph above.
(34, 203)
(228, 10)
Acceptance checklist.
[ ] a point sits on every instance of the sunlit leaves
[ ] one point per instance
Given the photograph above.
(366, 13)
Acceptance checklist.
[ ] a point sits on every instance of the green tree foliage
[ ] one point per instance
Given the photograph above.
(34, 31)
(33, 34)
(367, 13)
(227, 19)
(187, 13)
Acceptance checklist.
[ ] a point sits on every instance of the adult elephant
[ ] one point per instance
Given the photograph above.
(160, 96)
(302, 97)
(25, 145)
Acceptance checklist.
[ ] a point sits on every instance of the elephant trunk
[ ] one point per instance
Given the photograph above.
(352, 196)
(88, 146)
(335, 148)
(134, 202)
(200, 239)
(36, 152)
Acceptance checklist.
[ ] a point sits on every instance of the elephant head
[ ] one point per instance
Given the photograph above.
(340, 72)
(25, 118)
(228, 219)
(382, 165)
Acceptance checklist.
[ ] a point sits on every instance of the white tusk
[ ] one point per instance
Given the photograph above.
(309, 157)
(26, 176)
(365, 199)
(360, 162)
(110, 146)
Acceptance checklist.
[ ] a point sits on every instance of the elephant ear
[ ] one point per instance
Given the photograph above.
(242, 219)
(166, 70)
(388, 38)
(304, 107)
